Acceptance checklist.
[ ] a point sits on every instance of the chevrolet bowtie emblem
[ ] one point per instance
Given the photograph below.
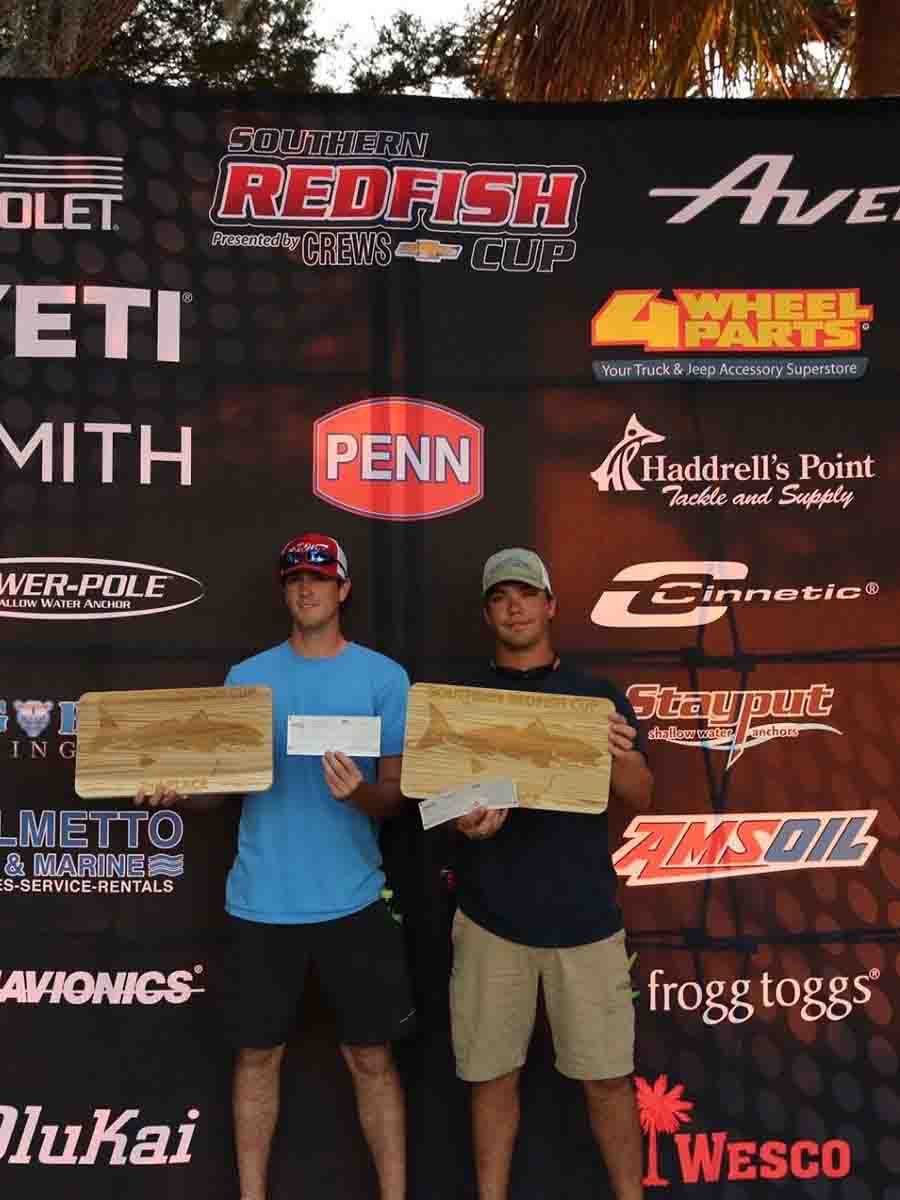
(427, 250)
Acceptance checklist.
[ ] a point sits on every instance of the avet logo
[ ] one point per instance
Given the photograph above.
(688, 849)
(91, 589)
(398, 459)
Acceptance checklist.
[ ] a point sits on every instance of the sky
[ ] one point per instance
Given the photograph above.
(362, 18)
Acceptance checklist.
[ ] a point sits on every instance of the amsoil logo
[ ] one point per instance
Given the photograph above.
(45, 724)
(398, 459)
(327, 185)
(682, 595)
(67, 851)
(113, 1139)
(806, 480)
(814, 998)
(732, 721)
(59, 191)
(689, 849)
(99, 987)
(37, 328)
(792, 206)
(713, 1157)
(90, 589)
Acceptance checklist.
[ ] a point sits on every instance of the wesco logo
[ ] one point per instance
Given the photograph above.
(398, 459)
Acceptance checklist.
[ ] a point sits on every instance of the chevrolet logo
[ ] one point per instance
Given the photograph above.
(426, 250)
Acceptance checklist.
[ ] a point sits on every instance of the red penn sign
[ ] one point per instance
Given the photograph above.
(399, 195)
(398, 459)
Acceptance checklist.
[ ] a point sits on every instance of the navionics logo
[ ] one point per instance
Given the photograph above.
(99, 987)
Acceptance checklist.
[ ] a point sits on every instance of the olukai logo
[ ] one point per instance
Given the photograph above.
(111, 1139)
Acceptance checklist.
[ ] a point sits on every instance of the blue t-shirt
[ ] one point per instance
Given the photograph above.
(304, 856)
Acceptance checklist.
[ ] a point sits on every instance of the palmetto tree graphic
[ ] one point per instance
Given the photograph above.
(661, 1111)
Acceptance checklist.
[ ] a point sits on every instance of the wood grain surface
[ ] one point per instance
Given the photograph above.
(555, 748)
(193, 740)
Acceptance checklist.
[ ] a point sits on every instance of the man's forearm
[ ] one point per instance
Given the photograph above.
(632, 780)
(378, 800)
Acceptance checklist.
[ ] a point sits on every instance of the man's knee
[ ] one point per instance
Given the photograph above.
(608, 1089)
(368, 1062)
(259, 1058)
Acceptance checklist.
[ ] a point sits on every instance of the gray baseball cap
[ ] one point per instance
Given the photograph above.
(515, 565)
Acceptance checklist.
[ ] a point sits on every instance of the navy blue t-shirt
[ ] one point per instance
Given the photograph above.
(545, 878)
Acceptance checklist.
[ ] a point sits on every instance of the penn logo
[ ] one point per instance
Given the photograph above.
(398, 459)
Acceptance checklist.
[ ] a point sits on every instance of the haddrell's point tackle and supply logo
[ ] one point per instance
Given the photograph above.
(807, 480)
(339, 197)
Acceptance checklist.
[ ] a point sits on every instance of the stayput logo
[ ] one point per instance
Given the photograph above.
(90, 589)
(398, 459)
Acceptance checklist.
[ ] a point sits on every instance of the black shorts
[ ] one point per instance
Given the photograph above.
(361, 966)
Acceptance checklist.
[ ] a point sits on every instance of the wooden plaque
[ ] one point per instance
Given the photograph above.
(193, 740)
(555, 748)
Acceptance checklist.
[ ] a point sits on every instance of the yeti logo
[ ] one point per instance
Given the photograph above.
(613, 474)
(33, 715)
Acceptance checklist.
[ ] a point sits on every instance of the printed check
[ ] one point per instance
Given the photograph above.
(359, 737)
(489, 793)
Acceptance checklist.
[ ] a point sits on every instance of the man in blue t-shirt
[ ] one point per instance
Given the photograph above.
(306, 883)
(537, 907)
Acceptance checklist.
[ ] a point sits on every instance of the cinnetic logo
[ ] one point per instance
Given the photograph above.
(682, 595)
(88, 589)
(807, 480)
(791, 206)
(732, 721)
(59, 191)
(690, 849)
(713, 1157)
(99, 987)
(111, 1139)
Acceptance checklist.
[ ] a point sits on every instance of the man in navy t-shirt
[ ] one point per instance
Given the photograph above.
(306, 882)
(537, 906)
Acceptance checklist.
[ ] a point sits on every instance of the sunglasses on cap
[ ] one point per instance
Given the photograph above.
(315, 556)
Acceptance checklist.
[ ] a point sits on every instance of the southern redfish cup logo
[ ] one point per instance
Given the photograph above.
(398, 459)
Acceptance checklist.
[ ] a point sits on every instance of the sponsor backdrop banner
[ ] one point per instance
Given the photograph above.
(659, 343)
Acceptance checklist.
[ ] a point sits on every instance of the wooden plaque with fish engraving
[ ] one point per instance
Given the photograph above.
(555, 748)
(192, 740)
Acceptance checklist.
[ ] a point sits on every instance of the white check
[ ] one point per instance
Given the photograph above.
(489, 793)
(359, 737)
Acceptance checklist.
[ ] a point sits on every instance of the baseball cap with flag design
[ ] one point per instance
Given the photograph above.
(313, 552)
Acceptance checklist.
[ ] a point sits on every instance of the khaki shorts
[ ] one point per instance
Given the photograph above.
(493, 999)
